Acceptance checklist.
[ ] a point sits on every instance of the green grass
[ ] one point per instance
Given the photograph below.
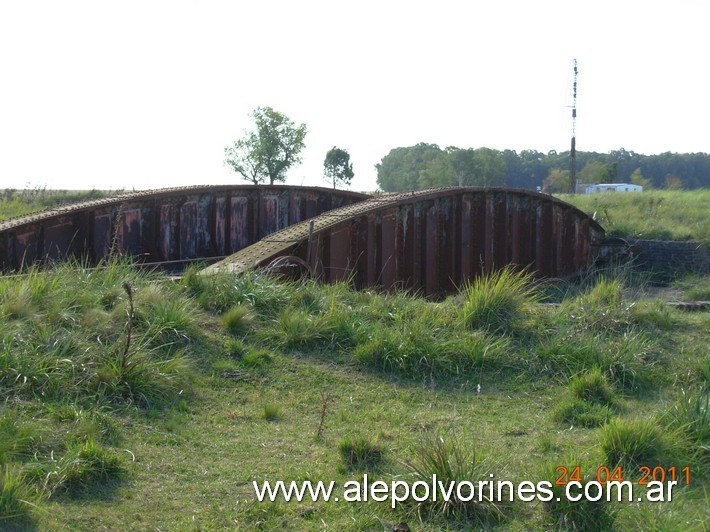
(170, 428)
(653, 215)
(19, 202)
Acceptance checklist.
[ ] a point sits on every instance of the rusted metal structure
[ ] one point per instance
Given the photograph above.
(432, 241)
(176, 224)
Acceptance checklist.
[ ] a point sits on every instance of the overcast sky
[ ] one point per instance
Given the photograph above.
(146, 94)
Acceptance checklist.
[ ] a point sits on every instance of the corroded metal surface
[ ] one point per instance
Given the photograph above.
(174, 224)
(432, 241)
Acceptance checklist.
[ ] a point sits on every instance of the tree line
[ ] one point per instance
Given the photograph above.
(268, 151)
(427, 165)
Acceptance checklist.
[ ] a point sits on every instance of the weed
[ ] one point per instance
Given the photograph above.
(326, 400)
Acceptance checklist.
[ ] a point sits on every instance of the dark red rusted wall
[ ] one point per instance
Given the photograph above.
(433, 241)
(164, 225)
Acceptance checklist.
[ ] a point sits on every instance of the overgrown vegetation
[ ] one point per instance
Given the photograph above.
(651, 215)
(119, 385)
(19, 202)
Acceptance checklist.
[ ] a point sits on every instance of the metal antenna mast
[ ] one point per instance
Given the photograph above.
(573, 151)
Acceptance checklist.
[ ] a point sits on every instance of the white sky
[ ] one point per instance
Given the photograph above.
(146, 94)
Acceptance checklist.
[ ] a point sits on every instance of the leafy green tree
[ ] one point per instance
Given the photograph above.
(557, 180)
(638, 179)
(399, 170)
(593, 172)
(337, 166)
(270, 150)
(490, 168)
(437, 172)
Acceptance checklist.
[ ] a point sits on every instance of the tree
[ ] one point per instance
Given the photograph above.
(556, 181)
(637, 178)
(337, 166)
(269, 151)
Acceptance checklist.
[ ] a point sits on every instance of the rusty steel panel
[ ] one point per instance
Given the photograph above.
(57, 239)
(428, 241)
(163, 225)
(220, 223)
(434, 241)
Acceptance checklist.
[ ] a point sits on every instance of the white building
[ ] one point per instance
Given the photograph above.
(612, 187)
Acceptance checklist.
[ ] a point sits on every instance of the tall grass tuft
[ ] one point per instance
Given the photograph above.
(634, 443)
(498, 301)
(84, 465)
(451, 459)
(583, 514)
(17, 498)
(592, 401)
(359, 452)
(237, 319)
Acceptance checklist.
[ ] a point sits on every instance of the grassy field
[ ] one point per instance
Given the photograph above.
(653, 215)
(18, 202)
(134, 402)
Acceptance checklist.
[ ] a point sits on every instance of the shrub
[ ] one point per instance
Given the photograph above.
(498, 301)
(360, 453)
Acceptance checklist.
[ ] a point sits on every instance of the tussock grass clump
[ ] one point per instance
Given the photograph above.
(419, 348)
(84, 465)
(358, 452)
(583, 413)
(634, 443)
(237, 319)
(592, 401)
(583, 514)
(594, 387)
(17, 498)
(498, 301)
(89, 339)
(630, 361)
(452, 459)
(691, 413)
(19, 438)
